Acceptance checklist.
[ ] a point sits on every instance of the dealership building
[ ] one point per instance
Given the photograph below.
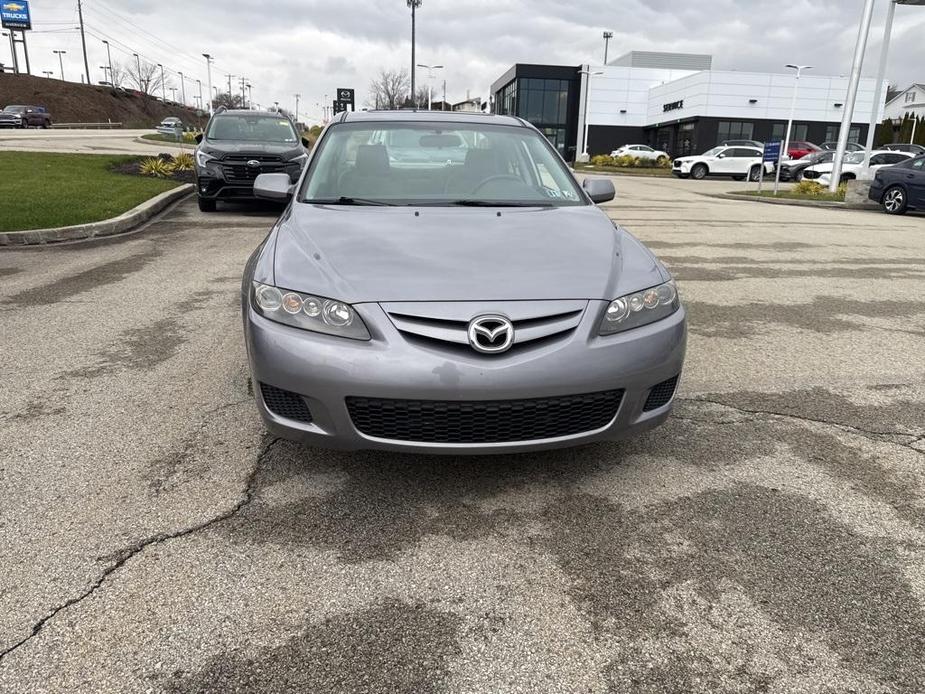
(675, 102)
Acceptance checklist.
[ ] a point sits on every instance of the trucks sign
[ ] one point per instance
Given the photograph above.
(14, 14)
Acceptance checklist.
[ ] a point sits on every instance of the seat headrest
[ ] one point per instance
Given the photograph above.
(484, 160)
(372, 159)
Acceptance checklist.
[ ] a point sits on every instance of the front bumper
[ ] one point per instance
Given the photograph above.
(213, 184)
(326, 370)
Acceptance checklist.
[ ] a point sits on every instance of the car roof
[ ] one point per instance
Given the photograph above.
(414, 116)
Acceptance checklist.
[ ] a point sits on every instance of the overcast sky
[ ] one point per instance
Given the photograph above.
(312, 47)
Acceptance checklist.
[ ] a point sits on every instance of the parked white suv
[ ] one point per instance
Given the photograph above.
(738, 162)
(854, 164)
(640, 152)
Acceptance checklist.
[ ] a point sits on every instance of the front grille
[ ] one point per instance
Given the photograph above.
(661, 394)
(241, 173)
(490, 421)
(285, 404)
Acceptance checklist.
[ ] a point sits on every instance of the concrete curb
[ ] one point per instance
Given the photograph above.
(108, 227)
(162, 143)
(780, 201)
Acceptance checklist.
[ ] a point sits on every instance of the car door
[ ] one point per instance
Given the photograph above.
(724, 162)
(915, 183)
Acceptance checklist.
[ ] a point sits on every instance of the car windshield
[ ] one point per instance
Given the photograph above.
(250, 128)
(854, 158)
(405, 163)
(14, 109)
(713, 152)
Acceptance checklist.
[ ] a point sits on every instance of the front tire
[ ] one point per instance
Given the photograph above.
(699, 172)
(799, 176)
(754, 174)
(206, 205)
(894, 201)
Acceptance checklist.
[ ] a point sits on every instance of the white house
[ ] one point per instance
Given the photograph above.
(911, 100)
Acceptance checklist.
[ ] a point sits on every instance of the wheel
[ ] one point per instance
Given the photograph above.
(798, 176)
(754, 174)
(738, 178)
(847, 177)
(661, 161)
(699, 172)
(894, 200)
(206, 205)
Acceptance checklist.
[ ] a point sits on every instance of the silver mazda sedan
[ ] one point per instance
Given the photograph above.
(440, 283)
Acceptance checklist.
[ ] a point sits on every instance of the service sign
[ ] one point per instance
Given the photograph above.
(772, 152)
(14, 14)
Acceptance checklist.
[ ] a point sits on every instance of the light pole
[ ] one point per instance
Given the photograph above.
(250, 94)
(276, 104)
(209, 73)
(297, 97)
(182, 87)
(588, 74)
(105, 78)
(785, 147)
(199, 82)
(138, 67)
(430, 86)
(112, 77)
(13, 51)
(607, 36)
(414, 5)
(163, 84)
(879, 97)
(60, 62)
(851, 100)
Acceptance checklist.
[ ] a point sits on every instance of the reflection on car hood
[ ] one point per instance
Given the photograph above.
(368, 254)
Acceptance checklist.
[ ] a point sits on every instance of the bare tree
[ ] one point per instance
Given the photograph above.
(228, 100)
(148, 80)
(119, 75)
(389, 90)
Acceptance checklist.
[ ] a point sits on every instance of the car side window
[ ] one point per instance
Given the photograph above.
(878, 160)
(918, 164)
(895, 158)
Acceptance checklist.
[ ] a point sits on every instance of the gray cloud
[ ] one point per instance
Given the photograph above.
(313, 47)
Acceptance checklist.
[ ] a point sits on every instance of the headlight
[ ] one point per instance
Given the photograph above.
(641, 308)
(308, 312)
(202, 158)
(300, 160)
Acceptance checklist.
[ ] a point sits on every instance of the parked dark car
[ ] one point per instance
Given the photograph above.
(799, 149)
(900, 188)
(793, 170)
(25, 117)
(900, 147)
(742, 143)
(852, 146)
(237, 146)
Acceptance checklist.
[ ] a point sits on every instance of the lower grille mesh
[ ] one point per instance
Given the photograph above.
(285, 404)
(492, 421)
(661, 394)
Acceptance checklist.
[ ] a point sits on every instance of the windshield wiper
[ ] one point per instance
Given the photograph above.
(499, 203)
(345, 200)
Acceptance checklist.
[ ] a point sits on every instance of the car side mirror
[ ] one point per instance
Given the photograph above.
(198, 138)
(273, 186)
(721, 156)
(599, 189)
(305, 143)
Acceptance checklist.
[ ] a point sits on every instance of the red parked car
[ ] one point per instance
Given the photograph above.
(798, 150)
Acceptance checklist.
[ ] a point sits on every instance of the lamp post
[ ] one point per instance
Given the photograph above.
(163, 83)
(105, 78)
(112, 77)
(60, 62)
(588, 74)
(138, 67)
(607, 36)
(209, 73)
(879, 97)
(851, 100)
(182, 87)
(199, 82)
(785, 147)
(430, 87)
(297, 97)
(414, 5)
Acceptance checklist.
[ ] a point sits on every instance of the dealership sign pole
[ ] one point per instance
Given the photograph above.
(15, 16)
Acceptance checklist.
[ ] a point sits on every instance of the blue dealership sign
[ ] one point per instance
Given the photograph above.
(772, 152)
(14, 14)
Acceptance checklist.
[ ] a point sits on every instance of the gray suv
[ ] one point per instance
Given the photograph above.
(238, 146)
(427, 302)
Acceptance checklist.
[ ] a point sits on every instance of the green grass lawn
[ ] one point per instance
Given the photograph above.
(161, 137)
(628, 171)
(42, 190)
(796, 195)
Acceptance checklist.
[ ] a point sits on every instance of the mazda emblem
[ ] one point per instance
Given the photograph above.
(491, 334)
(253, 164)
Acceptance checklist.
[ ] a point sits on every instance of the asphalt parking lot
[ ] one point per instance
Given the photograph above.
(770, 537)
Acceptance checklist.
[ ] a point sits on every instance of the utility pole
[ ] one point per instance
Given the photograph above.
(243, 93)
(138, 75)
(13, 50)
(250, 94)
(607, 36)
(209, 73)
(112, 79)
(297, 97)
(413, 4)
(60, 62)
(182, 87)
(83, 38)
(163, 84)
(229, 85)
(199, 82)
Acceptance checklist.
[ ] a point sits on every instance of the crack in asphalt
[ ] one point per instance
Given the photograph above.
(129, 552)
(879, 436)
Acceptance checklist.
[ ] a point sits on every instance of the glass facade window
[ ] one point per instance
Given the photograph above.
(541, 102)
(735, 130)
(831, 133)
(800, 132)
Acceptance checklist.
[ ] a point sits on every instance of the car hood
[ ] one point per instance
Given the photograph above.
(373, 254)
(220, 149)
(9, 115)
